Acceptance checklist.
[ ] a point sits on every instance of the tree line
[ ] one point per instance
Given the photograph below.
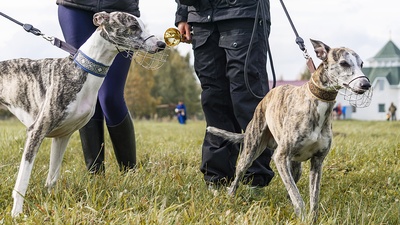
(151, 94)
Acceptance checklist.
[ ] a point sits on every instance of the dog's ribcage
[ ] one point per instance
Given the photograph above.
(31, 87)
(290, 110)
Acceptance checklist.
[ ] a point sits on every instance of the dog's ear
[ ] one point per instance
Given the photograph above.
(100, 17)
(320, 49)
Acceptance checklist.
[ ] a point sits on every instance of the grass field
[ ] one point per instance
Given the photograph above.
(360, 185)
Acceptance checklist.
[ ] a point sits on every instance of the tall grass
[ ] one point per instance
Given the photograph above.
(360, 185)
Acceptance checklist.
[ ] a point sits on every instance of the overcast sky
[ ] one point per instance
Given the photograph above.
(363, 25)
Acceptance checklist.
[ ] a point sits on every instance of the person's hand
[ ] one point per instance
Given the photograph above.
(184, 29)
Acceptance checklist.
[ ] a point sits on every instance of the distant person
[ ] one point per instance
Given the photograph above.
(392, 111)
(180, 111)
(344, 112)
(338, 111)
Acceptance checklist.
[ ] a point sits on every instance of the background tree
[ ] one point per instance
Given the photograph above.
(148, 92)
(138, 92)
(176, 81)
(305, 75)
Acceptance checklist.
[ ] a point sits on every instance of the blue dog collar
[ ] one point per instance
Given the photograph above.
(89, 65)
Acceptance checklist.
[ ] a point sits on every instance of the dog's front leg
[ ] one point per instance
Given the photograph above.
(315, 181)
(282, 164)
(32, 144)
(58, 147)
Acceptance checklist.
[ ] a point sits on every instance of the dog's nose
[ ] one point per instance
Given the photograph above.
(365, 84)
(161, 45)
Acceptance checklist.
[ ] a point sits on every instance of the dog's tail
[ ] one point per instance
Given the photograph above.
(230, 136)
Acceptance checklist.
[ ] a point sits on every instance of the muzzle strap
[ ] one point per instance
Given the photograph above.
(144, 41)
(363, 76)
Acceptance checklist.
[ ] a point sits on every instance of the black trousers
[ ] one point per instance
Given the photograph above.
(220, 51)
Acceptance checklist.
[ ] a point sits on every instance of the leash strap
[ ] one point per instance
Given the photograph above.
(55, 41)
(64, 46)
(310, 65)
(299, 41)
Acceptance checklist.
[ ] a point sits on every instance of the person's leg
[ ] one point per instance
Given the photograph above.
(77, 26)
(236, 35)
(218, 155)
(118, 119)
(181, 119)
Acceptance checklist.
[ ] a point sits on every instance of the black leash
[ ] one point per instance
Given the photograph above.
(53, 40)
(300, 41)
(261, 8)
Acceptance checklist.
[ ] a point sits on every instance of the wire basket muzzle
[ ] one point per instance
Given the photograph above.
(149, 60)
(355, 98)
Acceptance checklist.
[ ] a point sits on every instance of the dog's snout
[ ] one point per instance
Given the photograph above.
(365, 84)
(161, 45)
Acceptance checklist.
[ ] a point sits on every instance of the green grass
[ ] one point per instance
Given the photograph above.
(360, 185)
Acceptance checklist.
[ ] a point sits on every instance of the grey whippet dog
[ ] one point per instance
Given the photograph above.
(296, 123)
(55, 97)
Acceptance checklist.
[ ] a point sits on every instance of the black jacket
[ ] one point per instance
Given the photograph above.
(203, 11)
(129, 6)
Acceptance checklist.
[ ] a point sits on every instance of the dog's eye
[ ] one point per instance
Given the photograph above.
(344, 63)
(362, 64)
(133, 27)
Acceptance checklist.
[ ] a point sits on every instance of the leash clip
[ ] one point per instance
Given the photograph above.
(305, 54)
(48, 38)
(29, 28)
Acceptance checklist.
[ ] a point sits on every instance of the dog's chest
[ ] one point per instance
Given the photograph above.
(313, 135)
(79, 111)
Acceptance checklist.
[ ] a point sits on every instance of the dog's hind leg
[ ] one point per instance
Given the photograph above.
(255, 142)
(58, 147)
(282, 163)
(32, 144)
(243, 165)
(295, 168)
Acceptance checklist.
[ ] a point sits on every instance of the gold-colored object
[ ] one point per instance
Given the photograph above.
(172, 37)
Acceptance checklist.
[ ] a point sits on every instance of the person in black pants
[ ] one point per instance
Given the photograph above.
(220, 33)
(76, 21)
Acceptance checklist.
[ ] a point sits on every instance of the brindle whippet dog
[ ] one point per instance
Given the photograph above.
(296, 123)
(55, 97)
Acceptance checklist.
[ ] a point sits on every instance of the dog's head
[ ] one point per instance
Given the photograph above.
(127, 32)
(342, 70)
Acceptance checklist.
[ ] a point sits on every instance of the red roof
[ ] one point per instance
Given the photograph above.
(291, 82)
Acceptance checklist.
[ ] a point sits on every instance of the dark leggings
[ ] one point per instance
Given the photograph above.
(77, 26)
